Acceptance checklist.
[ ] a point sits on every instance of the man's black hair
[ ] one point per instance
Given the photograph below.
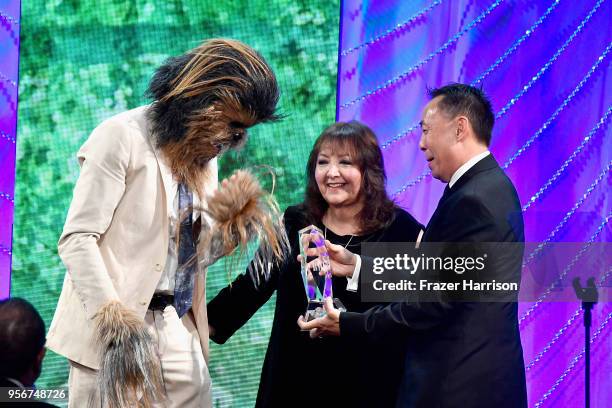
(22, 337)
(461, 99)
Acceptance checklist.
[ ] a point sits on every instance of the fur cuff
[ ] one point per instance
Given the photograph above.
(242, 211)
(130, 371)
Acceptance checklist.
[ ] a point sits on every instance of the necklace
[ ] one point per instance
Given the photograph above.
(325, 236)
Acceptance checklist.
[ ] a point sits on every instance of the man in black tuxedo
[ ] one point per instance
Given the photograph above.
(459, 354)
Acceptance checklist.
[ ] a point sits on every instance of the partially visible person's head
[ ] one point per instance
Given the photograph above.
(456, 125)
(22, 341)
(346, 169)
(206, 99)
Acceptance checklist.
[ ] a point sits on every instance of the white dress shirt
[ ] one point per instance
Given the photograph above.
(466, 166)
(353, 281)
(166, 281)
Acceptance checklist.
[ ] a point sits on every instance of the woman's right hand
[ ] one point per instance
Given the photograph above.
(342, 260)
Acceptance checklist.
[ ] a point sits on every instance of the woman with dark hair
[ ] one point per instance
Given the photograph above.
(346, 198)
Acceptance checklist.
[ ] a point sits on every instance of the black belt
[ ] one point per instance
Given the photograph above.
(159, 301)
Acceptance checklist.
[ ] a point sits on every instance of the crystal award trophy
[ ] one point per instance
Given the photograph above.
(316, 272)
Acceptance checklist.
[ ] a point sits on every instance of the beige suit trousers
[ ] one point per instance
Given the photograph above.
(186, 378)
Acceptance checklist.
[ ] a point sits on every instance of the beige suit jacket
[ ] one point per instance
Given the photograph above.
(115, 240)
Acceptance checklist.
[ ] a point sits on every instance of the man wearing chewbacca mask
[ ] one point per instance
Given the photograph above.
(131, 317)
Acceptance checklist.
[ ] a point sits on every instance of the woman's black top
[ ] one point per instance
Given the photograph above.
(300, 371)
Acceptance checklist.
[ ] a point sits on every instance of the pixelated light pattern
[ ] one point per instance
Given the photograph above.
(546, 66)
(82, 62)
(9, 64)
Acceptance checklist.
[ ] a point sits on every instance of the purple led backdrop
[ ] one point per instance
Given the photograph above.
(9, 63)
(546, 66)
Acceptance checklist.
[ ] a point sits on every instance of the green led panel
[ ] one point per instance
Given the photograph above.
(83, 61)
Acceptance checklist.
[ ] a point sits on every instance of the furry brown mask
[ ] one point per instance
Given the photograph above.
(209, 133)
(204, 102)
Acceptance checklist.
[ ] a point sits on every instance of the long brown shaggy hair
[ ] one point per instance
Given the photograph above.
(243, 209)
(205, 100)
(130, 371)
(359, 141)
